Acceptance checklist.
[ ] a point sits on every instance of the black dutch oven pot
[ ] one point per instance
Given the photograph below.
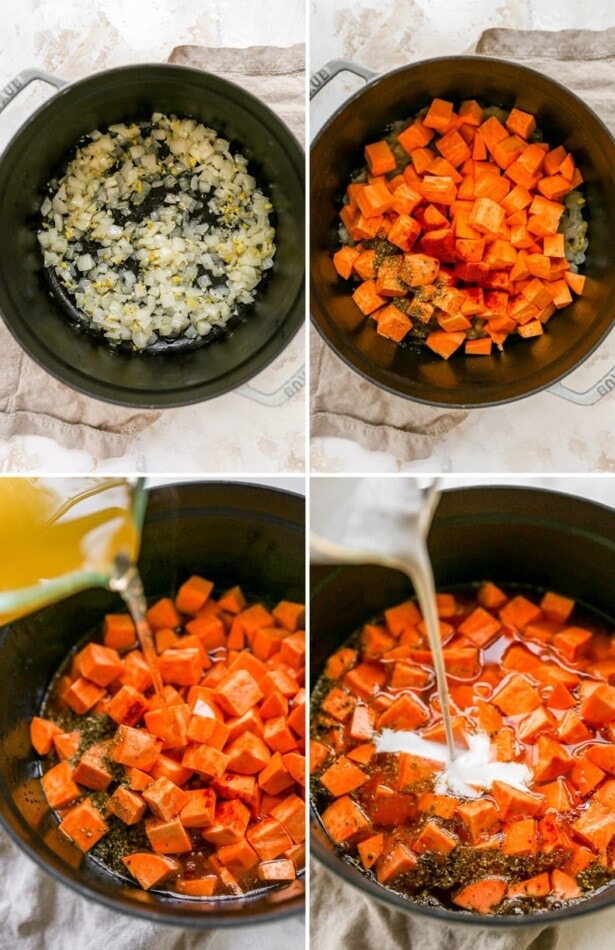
(525, 367)
(233, 533)
(41, 148)
(506, 535)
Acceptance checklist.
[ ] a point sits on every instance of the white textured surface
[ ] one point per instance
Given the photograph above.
(71, 39)
(542, 433)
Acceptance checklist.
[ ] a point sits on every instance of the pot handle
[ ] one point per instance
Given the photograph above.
(280, 395)
(16, 85)
(331, 69)
(591, 396)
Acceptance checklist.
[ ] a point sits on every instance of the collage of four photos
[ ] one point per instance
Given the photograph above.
(307, 504)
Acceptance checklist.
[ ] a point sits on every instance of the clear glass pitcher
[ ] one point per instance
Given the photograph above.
(62, 535)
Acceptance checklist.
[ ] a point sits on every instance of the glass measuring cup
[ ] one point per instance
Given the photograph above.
(62, 535)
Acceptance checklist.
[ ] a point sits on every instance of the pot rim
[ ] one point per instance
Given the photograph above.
(346, 871)
(249, 367)
(327, 328)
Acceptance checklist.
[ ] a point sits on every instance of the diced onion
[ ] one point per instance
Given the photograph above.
(186, 265)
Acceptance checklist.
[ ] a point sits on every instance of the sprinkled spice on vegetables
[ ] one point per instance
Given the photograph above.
(465, 229)
(522, 820)
(200, 791)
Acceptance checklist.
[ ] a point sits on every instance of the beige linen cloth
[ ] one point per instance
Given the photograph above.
(38, 914)
(342, 918)
(34, 403)
(343, 403)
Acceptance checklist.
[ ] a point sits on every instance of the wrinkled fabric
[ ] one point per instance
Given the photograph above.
(347, 406)
(342, 918)
(37, 913)
(34, 403)
(274, 74)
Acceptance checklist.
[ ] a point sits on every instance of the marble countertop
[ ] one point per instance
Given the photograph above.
(543, 432)
(73, 39)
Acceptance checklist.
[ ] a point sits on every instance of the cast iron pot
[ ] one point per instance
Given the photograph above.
(525, 367)
(41, 148)
(229, 532)
(507, 535)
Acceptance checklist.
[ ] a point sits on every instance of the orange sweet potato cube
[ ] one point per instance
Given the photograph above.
(231, 820)
(343, 777)
(290, 812)
(135, 747)
(100, 664)
(290, 615)
(119, 631)
(237, 693)
(256, 617)
(370, 850)
(67, 744)
(343, 819)
(205, 760)
(170, 724)
(269, 838)
(392, 323)
(209, 731)
(247, 754)
(479, 817)
(82, 694)
(406, 712)
(164, 798)
(434, 838)
(232, 601)
(152, 869)
(59, 787)
(136, 672)
(394, 862)
(183, 667)
(127, 707)
(515, 803)
(193, 594)
(414, 771)
(166, 767)
(163, 614)
(282, 869)
(239, 857)
(137, 780)
(93, 769)
(275, 777)
(167, 836)
(520, 837)
(126, 805)
(199, 809)
(84, 825)
(516, 696)
(278, 735)
(42, 734)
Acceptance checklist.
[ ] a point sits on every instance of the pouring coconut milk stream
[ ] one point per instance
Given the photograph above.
(385, 521)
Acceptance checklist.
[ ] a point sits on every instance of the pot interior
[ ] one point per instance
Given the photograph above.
(41, 149)
(229, 533)
(506, 535)
(524, 366)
